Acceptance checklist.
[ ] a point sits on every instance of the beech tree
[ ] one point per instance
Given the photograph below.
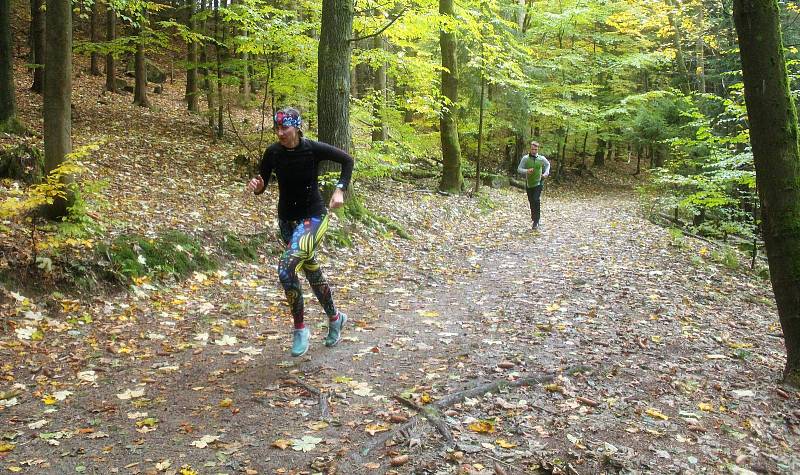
(773, 135)
(452, 178)
(333, 90)
(58, 93)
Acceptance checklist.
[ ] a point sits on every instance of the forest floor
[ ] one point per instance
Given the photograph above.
(600, 344)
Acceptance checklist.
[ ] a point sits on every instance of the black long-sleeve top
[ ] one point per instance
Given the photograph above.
(297, 172)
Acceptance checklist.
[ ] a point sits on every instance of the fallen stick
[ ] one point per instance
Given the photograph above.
(321, 397)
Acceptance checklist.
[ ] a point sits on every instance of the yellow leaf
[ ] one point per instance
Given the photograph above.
(482, 426)
(227, 402)
(49, 400)
(704, 406)
(505, 444)
(187, 470)
(553, 388)
(428, 313)
(703, 251)
(318, 425)
(239, 323)
(426, 398)
(654, 413)
(282, 444)
(656, 338)
(14, 469)
(6, 448)
(553, 307)
(373, 429)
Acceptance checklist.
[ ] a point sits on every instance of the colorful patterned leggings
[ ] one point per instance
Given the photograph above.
(301, 239)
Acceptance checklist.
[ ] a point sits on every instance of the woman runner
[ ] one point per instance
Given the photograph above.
(302, 217)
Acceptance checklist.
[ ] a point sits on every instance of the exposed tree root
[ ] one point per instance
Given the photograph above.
(432, 412)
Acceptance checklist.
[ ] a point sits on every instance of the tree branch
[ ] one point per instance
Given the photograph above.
(353, 40)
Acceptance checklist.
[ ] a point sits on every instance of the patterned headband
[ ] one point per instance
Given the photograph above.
(288, 119)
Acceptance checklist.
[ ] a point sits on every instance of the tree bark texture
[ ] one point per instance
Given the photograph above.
(8, 105)
(140, 73)
(191, 61)
(773, 135)
(111, 33)
(380, 131)
(333, 90)
(452, 178)
(37, 45)
(94, 36)
(58, 93)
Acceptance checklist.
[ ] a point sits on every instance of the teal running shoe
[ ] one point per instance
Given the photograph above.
(300, 341)
(335, 330)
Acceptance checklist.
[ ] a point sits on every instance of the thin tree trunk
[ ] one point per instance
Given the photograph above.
(140, 66)
(111, 34)
(773, 135)
(701, 67)
(37, 45)
(58, 94)
(452, 178)
(94, 68)
(380, 132)
(677, 37)
(480, 133)
(205, 72)
(8, 105)
(191, 61)
(218, 51)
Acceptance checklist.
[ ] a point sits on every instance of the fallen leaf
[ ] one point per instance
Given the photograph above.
(306, 444)
(204, 441)
(373, 429)
(282, 444)
(482, 426)
(656, 414)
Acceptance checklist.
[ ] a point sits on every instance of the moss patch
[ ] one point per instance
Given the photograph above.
(170, 254)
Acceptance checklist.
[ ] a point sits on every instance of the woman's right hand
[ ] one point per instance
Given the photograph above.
(255, 185)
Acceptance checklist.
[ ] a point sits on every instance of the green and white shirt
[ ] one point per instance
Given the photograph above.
(539, 164)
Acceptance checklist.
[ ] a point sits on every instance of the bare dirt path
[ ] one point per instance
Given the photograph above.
(661, 360)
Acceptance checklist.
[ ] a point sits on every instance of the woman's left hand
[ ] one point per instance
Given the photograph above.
(337, 200)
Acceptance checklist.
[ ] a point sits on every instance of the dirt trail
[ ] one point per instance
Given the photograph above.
(673, 351)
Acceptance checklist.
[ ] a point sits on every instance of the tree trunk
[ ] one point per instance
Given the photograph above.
(94, 68)
(37, 45)
(380, 132)
(333, 90)
(677, 37)
(111, 34)
(480, 133)
(701, 67)
(773, 135)
(600, 153)
(218, 51)
(8, 105)
(58, 94)
(191, 61)
(205, 72)
(140, 66)
(452, 178)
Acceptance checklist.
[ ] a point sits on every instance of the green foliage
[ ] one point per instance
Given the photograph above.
(709, 179)
(354, 210)
(243, 248)
(172, 254)
(64, 182)
(485, 203)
